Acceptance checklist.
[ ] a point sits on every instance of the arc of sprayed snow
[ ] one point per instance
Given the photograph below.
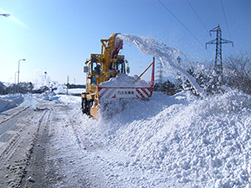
(163, 53)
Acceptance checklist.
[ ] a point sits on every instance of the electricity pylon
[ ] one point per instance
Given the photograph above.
(218, 67)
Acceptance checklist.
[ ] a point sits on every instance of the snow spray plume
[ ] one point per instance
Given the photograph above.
(167, 56)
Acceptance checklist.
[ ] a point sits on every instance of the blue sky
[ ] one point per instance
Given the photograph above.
(57, 36)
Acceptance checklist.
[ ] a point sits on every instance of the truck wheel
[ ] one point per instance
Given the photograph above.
(87, 107)
(84, 105)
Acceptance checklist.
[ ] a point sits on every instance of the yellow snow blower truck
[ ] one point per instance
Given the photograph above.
(107, 79)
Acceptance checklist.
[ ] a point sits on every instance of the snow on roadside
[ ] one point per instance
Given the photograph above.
(14, 100)
(205, 143)
(70, 100)
(60, 98)
(62, 90)
(173, 141)
(10, 101)
(29, 100)
(168, 141)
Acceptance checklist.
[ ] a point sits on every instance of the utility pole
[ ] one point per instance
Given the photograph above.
(15, 86)
(45, 74)
(18, 73)
(218, 67)
(67, 85)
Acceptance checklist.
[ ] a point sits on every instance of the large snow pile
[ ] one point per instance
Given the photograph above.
(10, 101)
(123, 80)
(173, 141)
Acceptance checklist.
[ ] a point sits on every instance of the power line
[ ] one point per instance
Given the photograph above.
(213, 12)
(226, 19)
(197, 16)
(179, 21)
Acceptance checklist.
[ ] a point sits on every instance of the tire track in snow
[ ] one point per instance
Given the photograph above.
(70, 152)
(43, 123)
(8, 124)
(18, 111)
(16, 153)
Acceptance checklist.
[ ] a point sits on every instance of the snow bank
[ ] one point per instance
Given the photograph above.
(173, 141)
(29, 100)
(123, 80)
(10, 101)
(76, 91)
(70, 100)
(58, 98)
(60, 89)
(49, 96)
(167, 55)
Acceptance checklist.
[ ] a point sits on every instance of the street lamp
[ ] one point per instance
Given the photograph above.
(18, 72)
(5, 15)
(15, 83)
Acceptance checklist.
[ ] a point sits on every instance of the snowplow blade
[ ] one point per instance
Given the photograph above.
(113, 100)
(125, 92)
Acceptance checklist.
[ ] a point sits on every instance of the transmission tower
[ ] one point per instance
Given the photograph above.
(218, 56)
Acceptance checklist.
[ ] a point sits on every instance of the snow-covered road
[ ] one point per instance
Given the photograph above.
(168, 141)
(40, 149)
(19, 127)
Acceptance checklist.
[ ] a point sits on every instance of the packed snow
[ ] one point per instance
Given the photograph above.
(168, 141)
(173, 141)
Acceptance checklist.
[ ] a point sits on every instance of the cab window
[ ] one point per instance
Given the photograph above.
(96, 67)
(120, 66)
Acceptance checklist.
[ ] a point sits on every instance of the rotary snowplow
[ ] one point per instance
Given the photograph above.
(107, 79)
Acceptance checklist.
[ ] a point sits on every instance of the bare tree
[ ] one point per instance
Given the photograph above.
(238, 72)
